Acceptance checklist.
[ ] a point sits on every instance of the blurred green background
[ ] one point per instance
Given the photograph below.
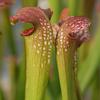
(12, 62)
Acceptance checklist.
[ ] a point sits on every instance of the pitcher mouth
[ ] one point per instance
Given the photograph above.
(26, 32)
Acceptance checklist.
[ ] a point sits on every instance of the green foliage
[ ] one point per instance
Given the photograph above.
(91, 63)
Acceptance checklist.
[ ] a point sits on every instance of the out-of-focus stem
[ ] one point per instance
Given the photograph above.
(1, 51)
(88, 8)
(29, 2)
(56, 6)
(54, 88)
(89, 66)
(53, 84)
(48, 95)
(81, 7)
(8, 32)
(96, 86)
(73, 6)
(1, 59)
(9, 39)
(1, 95)
(92, 62)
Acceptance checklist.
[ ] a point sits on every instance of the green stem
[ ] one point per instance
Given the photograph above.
(20, 95)
(8, 32)
(1, 95)
(73, 6)
(88, 7)
(9, 39)
(66, 74)
(53, 84)
(81, 7)
(1, 51)
(55, 5)
(1, 60)
(96, 86)
(48, 95)
(37, 71)
(29, 2)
